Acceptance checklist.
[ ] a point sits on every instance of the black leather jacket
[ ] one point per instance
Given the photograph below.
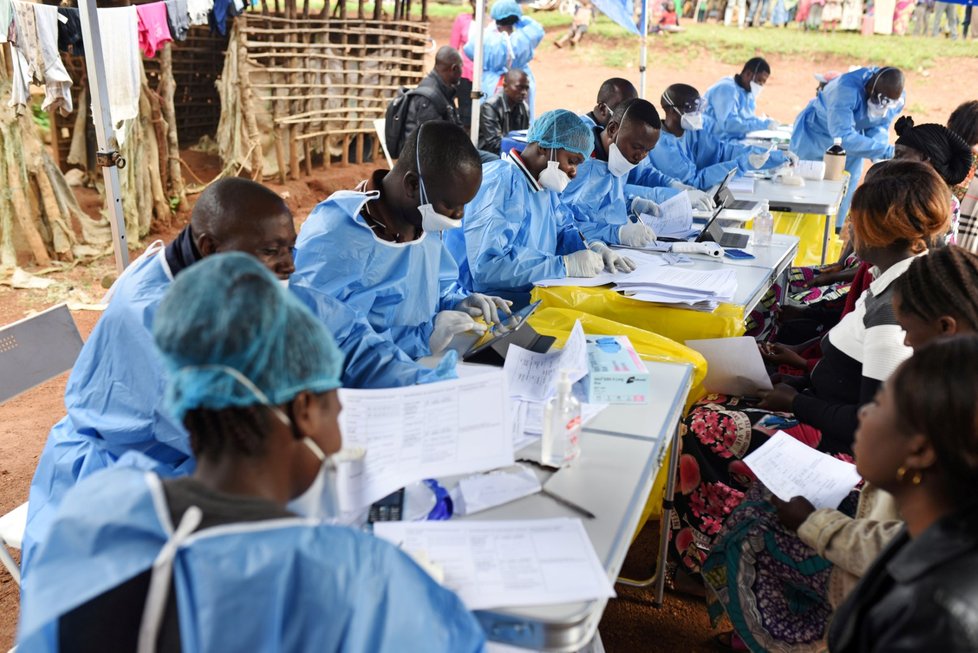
(422, 110)
(498, 118)
(920, 595)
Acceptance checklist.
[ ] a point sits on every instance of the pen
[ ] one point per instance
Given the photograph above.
(587, 245)
(569, 504)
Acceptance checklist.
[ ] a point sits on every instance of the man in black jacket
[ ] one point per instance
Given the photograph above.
(505, 112)
(438, 100)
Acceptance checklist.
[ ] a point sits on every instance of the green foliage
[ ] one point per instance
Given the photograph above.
(41, 117)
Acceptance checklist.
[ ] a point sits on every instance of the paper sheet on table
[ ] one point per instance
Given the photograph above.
(641, 259)
(790, 468)
(477, 493)
(744, 185)
(733, 366)
(676, 220)
(508, 564)
(534, 376)
(416, 432)
(771, 134)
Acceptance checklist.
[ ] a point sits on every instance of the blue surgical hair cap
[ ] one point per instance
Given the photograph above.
(563, 130)
(504, 9)
(228, 317)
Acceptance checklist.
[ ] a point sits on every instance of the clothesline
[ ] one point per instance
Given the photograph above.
(39, 34)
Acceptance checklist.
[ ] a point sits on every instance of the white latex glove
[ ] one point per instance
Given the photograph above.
(701, 200)
(640, 206)
(584, 263)
(486, 307)
(759, 159)
(678, 185)
(449, 324)
(612, 262)
(636, 234)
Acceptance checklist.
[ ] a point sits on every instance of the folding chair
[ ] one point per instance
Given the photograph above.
(32, 351)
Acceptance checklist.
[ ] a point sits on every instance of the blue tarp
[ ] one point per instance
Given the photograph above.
(620, 11)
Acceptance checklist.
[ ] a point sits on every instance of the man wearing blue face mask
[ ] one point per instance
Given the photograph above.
(857, 107)
(732, 102)
(690, 152)
(379, 248)
(516, 231)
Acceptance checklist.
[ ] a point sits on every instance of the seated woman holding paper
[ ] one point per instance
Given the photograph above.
(897, 212)
(238, 556)
(758, 566)
(921, 593)
(516, 231)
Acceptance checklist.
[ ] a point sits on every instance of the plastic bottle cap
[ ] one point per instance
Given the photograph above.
(837, 141)
(564, 384)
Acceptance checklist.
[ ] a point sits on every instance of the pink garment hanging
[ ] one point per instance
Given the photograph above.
(153, 29)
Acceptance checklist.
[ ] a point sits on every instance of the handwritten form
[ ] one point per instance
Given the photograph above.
(493, 564)
(412, 433)
(676, 220)
(734, 366)
(534, 376)
(790, 468)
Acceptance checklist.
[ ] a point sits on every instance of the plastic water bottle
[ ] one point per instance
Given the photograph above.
(763, 226)
(561, 441)
(835, 161)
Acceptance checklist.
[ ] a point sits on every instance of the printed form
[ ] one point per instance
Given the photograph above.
(417, 432)
(496, 564)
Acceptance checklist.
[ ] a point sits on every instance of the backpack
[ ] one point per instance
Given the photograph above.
(397, 111)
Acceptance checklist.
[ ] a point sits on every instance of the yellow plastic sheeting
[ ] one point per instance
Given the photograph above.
(679, 324)
(650, 346)
(810, 229)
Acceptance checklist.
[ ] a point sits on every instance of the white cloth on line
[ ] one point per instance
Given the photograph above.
(123, 63)
(198, 10)
(57, 82)
(26, 54)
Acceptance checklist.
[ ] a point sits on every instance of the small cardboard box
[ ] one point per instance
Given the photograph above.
(616, 374)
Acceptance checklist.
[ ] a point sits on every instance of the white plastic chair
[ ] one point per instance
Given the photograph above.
(380, 127)
(32, 351)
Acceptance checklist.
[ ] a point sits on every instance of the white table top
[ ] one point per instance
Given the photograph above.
(819, 197)
(622, 451)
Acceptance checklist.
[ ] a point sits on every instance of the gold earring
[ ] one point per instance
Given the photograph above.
(917, 477)
(914, 480)
(901, 473)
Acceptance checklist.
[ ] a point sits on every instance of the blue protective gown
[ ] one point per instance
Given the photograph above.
(502, 51)
(288, 584)
(646, 176)
(512, 235)
(840, 111)
(599, 201)
(114, 395)
(700, 159)
(733, 110)
(399, 287)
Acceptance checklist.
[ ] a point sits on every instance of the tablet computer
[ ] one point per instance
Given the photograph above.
(513, 324)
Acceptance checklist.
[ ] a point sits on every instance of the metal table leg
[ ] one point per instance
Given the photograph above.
(659, 577)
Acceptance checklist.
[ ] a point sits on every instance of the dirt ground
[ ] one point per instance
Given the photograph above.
(564, 80)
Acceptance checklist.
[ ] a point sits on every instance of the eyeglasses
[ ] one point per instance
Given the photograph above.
(695, 105)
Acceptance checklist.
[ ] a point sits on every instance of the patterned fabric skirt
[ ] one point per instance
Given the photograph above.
(713, 478)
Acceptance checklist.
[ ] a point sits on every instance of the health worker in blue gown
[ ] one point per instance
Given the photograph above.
(240, 555)
(510, 43)
(857, 107)
(732, 102)
(604, 206)
(689, 151)
(516, 230)
(114, 395)
(379, 248)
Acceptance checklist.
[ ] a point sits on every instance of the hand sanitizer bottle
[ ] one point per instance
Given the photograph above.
(562, 426)
(763, 225)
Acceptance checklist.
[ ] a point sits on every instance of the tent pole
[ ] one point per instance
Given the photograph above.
(480, 18)
(107, 156)
(643, 56)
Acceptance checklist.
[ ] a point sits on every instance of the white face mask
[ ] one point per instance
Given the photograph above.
(319, 501)
(552, 177)
(618, 165)
(875, 111)
(431, 220)
(756, 89)
(692, 121)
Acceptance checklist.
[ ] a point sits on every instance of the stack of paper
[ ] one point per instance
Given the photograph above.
(675, 219)
(696, 289)
(642, 261)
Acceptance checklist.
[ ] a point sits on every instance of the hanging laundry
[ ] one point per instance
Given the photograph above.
(6, 21)
(70, 32)
(178, 16)
(25, 38)
(218, 17)
(57, 82)
(153, 30)
(123, 63)
(199, 11)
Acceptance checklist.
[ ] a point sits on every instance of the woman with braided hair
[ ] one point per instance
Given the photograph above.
(964, 122)
(937, 297)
